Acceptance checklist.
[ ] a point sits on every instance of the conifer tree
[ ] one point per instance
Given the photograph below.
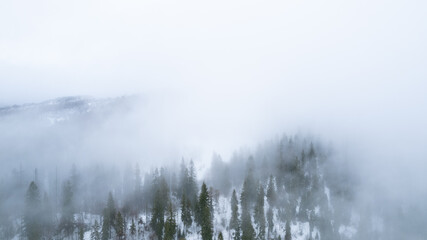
(67, 217)
(220, 237)
(132, 229)
(192, 184)
(105, 225)
(234, 221)
(271, 192)
(47, 218)
(120, 227)
(95, 234)
(186, 211)
(170, 224)
(81, 232)
(270, 223)
(288, 231)
(33, 228)
(111, 211)
(157, 215)
(205, 214)
(259, 216)
(248, 232)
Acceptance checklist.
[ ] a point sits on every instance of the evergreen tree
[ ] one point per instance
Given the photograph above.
(236, 234)
(170, 224)
(95, 235)
(192, 184)
(33, 228)
(157, 215)
(47, 218)
(186, 211)
(81, 232)
(205, 214)
(183, 179)
(120, 227)
(111, 212)
(248, 232)
(270, 222)
(259, 216)
(220, 237)
(234, 221)
(67, 217)
(288, 231)
(105, 225)
(137, 189)
(271, 192)
(132, 229)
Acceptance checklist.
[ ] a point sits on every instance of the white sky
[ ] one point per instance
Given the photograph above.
(230, 73)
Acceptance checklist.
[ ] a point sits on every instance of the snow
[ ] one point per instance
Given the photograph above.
(327, 192)
(347, 231)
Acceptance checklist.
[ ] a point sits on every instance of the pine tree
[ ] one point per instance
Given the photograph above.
(220, 237)
(81, 232)
(33, 228)
(192, 184)
(67, 218)
(271, 192)
(205, 214)
(157, 215)
(288, 231)
(47, 218)
(105, 225)
(186, 211)
(270, 222)
(111, 212)
(248, 232)
(120, 227)
(259, 215)
(95, 235)
(170, 224)
(234, 221)
(132, 229)
(137, 189)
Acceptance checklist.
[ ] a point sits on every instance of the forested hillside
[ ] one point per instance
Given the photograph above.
(282, 190)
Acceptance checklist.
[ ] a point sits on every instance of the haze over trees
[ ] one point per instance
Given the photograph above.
(286, 195)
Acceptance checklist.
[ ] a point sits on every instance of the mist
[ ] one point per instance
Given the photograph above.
(107, 85)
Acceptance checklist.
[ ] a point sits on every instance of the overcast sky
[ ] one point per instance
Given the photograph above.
(231, 73)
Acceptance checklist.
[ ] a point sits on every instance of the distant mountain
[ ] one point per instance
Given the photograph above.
(65, 108)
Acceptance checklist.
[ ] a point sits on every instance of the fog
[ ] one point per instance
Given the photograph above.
(202, 78)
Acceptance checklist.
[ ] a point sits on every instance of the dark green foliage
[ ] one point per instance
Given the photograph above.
(270, 222)
(259, 216)
(220, 237)
(288, 235)
(159, 205)
(186, 211)
(234, 221)
(205, 214)
(81, 232)
(248, 232)
(132, 228)
(111, 211)
(157, 215)
(187, 182)
(236, 234)
(105, 225)
(271, 192)
(249, 190)
(47, 218)
(95, 234)
(170, 224)
(120, 227)
(67, 218)
(33, 228)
